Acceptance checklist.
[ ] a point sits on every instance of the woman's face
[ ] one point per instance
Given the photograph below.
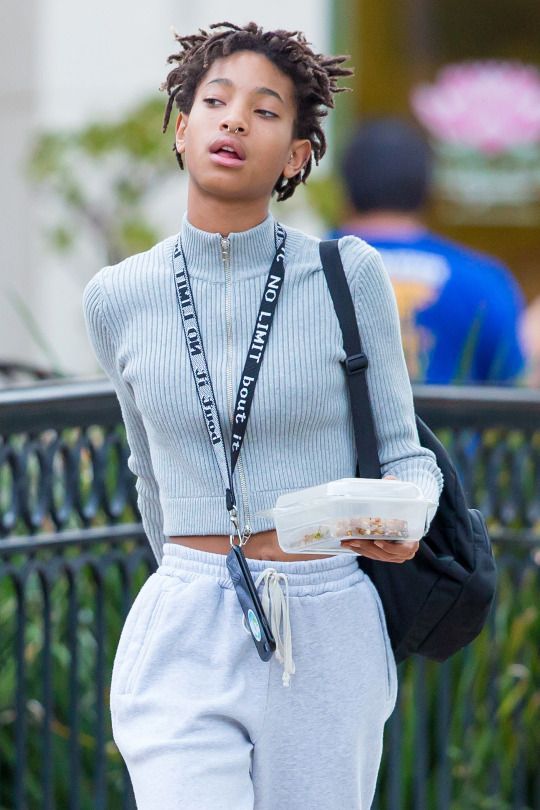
(244, 103)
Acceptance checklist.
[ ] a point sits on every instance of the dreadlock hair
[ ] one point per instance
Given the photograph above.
(314, 77)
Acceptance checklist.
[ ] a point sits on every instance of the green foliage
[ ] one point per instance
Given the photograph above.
(88, 696)
(96, 181)
(34, 329)
(101, 176)
(494, 694)
(326, 196)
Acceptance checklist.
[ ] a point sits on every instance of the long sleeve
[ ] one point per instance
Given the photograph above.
(400, 451)
(100, 333)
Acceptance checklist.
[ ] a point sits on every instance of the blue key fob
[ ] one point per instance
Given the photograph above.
(250, 603)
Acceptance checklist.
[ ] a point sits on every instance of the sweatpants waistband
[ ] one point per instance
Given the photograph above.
(313, 577)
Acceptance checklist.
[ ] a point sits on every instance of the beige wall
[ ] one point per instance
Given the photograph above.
(18, 98)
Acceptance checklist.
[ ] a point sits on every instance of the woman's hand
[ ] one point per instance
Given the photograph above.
(383, 549)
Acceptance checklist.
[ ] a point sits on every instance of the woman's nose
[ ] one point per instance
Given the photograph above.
(233, 126)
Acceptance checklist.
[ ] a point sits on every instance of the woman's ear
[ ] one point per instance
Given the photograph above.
(299, 155)
(181, 124)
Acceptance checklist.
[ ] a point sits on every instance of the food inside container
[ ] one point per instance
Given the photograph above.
(317, 519)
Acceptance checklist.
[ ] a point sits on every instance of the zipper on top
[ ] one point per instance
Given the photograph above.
(225, 256)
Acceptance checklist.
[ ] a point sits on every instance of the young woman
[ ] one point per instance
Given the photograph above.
(202, 721)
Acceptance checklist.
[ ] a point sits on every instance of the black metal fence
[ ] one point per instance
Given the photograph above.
(465, 734)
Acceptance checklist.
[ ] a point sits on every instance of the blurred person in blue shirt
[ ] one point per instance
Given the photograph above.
(459, 309)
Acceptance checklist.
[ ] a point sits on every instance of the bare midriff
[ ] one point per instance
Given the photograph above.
(260, 546)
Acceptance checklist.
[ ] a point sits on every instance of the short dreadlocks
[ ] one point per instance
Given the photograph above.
(314, 77)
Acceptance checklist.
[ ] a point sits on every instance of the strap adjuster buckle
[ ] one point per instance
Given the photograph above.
(356, 363)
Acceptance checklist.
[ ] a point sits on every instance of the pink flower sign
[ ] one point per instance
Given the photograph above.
(489, 106)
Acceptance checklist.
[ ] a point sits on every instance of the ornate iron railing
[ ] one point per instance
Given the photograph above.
(73, 556)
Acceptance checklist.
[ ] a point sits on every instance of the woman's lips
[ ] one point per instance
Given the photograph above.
(224, 158)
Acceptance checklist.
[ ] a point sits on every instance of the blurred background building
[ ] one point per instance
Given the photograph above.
(87, 176)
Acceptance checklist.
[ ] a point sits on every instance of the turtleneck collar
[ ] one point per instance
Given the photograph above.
(250, 252)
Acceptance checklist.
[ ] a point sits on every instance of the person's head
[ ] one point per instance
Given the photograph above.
(386, 166)
(265, 93)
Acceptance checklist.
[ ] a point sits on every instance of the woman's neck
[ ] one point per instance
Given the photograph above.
(223, 216)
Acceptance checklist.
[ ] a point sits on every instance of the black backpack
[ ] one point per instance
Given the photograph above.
(439, 601)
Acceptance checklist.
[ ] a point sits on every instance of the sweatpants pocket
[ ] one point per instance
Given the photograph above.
(391, 671)
(136, 634)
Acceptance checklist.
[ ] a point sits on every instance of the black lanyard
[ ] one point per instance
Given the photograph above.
(240, 574)
(248, 380)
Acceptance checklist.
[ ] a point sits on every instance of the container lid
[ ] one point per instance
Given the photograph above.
(355, 488)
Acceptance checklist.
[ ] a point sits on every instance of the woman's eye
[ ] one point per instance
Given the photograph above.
(214, 102)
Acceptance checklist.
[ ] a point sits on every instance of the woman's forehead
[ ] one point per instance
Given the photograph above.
(250, 72)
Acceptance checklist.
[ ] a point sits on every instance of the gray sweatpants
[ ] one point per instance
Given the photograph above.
(203, 724)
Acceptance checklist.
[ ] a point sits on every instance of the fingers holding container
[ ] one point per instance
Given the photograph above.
(384, 550)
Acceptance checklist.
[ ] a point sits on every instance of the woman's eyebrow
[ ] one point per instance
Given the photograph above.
(265, 91)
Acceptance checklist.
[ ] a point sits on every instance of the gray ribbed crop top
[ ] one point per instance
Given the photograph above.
(300, 430)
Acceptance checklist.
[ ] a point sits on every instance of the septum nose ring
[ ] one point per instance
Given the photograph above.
(235, 131)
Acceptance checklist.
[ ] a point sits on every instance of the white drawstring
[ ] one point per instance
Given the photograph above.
(275, 604)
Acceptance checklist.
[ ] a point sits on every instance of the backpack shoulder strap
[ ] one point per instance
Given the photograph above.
(355, 363)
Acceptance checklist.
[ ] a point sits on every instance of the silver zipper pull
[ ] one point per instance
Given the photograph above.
(225, 244)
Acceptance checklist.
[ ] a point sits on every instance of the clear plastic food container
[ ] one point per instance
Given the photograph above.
(315, 520)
